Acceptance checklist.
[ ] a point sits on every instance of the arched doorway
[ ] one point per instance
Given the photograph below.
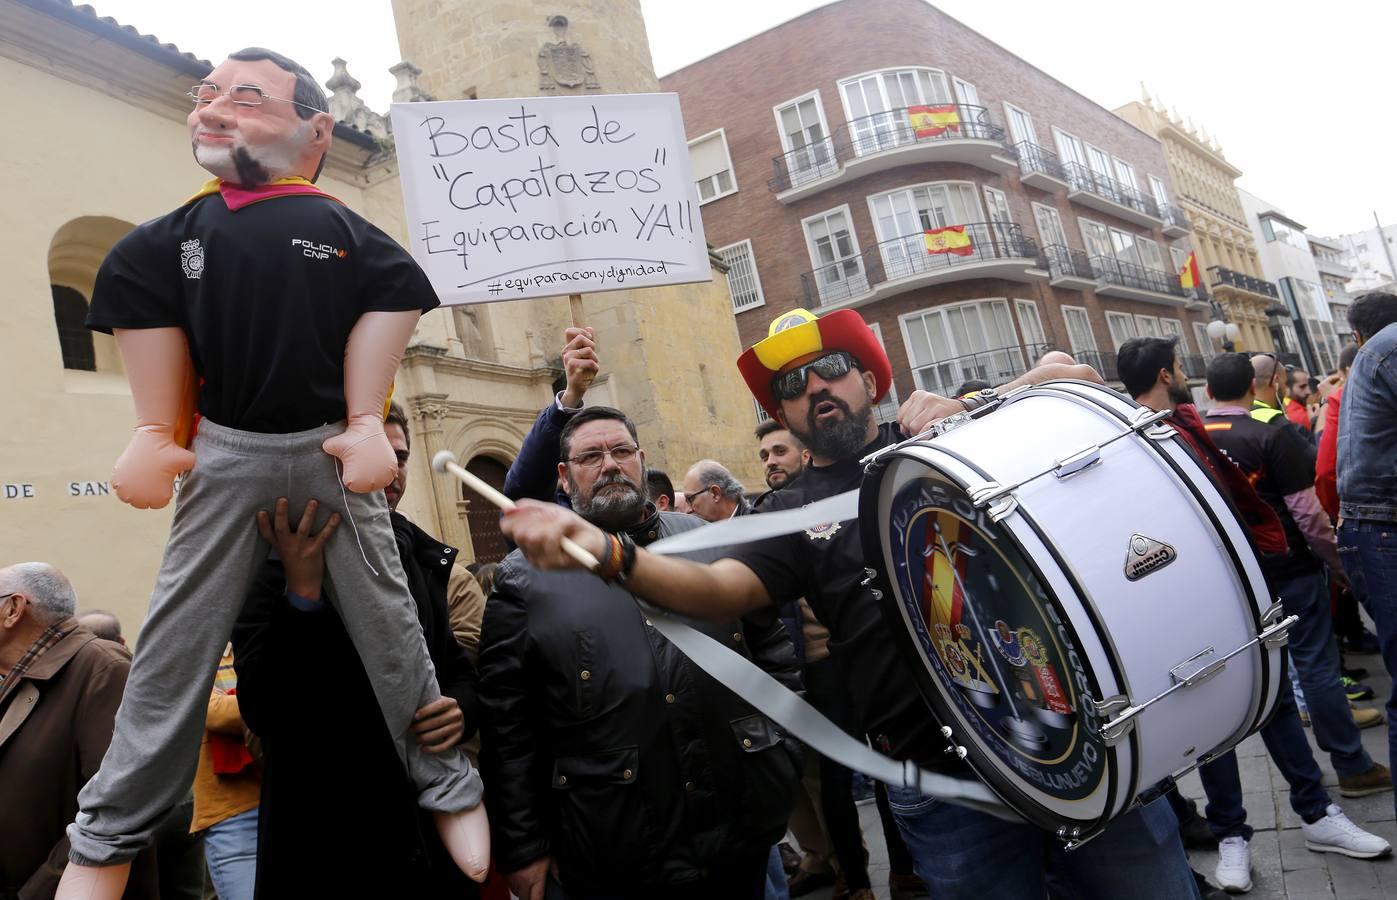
(75, 254)
(482, 518)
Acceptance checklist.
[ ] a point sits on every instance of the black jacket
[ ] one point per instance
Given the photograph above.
(333, 787)
(604, 747)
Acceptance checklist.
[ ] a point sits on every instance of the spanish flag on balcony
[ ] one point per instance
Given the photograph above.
(951, 239)
(931, 121)
(1188, 275)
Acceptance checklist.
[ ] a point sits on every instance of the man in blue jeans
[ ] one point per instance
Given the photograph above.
(1368, 473)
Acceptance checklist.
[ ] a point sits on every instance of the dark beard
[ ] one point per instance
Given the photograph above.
(612, 511)
(841, 439)
(250, 171)
(1179, 393)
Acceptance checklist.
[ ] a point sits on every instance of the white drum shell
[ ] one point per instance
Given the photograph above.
(1210, 597)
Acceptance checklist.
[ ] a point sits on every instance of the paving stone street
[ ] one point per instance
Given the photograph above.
(1282, 869)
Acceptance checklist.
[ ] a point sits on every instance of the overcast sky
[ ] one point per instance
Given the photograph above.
(1294, 92)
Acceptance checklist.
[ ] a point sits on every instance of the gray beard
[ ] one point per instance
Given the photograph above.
(613, 510)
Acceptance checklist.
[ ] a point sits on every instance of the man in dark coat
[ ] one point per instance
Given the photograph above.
(339, 815)
(615, 765)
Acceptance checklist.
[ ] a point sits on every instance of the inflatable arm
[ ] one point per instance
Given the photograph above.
(161, 375)
(371, 357)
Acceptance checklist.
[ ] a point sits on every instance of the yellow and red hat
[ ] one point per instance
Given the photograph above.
(800, 333)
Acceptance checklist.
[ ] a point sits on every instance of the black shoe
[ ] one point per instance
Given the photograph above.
(790, 859)
(1207, 890)
(1197, 835)
(805, 882)
(1357, 673)
(1363, 642)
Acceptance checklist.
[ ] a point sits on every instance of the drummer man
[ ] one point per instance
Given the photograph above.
(1152, 373)
(821, 378)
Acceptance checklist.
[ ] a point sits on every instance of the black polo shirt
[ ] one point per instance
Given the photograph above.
(267, 296)
(826, 567)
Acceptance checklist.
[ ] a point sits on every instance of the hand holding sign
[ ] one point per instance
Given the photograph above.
(509, 199)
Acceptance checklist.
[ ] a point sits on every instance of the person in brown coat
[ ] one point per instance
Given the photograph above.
(60, 686)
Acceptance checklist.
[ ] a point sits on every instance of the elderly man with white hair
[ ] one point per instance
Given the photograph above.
(713, 494)
(60, 686)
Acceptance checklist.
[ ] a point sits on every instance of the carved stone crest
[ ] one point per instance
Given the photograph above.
(564, 64)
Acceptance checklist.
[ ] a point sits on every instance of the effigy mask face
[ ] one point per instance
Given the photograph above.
(246, 129)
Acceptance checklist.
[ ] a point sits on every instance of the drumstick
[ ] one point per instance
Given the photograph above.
(445, 462)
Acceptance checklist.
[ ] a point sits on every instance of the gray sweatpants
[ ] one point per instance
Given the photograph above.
(213, 553)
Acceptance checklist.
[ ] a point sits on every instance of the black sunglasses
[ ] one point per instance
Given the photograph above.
(790, 385)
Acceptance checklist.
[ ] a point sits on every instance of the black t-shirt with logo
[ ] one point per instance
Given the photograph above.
(1278, 462)
(825, 565)
(267, 296)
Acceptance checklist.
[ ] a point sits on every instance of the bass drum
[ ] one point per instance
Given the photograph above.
(1079, 602)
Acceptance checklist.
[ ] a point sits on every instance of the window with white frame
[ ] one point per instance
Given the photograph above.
(834, 252)
(997, 202)
(1205, 343)
(1125, 173)
(953, 344)
(1122, 327)
(1020, 124)
(1175, 329)
(911, 211)
(966, 92)
(1097, 238)
(803, 137)
(1079, 333)
(875, 104)
(1099, 161)
(712, 166)
(744, 284)
(1049, 225)
(1030, 326)
(1161, 196)
(1069, 147)
(1149, 253)
(1148, 326)
(885, 411)
(1123, 243)
(762, 414)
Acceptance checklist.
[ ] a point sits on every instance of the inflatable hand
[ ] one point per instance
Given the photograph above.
(161, 375)
(145, 472)
(369, 461)
(371, 356)
(93, 882)
(466, 836)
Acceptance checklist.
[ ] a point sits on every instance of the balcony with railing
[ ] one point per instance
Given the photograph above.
(1103, 361)
(1176, 223)
(957, 253)
(1108, 195)
(1219, 276)
(944, 133)
(1130, 281)
(1040, 167)
(1068, 268)
(996, 366)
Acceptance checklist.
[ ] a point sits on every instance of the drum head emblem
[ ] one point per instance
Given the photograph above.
(999, 651)
(1146, 556)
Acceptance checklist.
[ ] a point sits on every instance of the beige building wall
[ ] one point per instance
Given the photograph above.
(1207, 188)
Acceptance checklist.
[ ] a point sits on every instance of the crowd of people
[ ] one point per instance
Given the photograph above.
(377, 696)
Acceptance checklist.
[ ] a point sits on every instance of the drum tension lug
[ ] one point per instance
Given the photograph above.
(1076, 462)
(1113, 730)
(952, 748)
(868, 576)
(994, 497)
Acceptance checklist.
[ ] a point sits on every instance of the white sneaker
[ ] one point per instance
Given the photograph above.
(1233, 873)
(1335, 833)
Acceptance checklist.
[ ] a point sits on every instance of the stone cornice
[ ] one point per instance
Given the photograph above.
(437, 358)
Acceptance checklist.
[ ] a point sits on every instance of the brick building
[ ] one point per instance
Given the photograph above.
(880, 155)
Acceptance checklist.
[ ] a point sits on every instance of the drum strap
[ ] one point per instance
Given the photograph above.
(774, 699)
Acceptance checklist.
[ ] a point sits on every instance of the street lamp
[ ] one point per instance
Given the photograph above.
(1219, 329)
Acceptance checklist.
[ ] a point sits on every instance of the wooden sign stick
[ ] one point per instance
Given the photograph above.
(575, 304)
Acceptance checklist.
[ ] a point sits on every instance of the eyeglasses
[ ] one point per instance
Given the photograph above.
(790, 385)
(205, 92)
(689, 498)
(592, 459)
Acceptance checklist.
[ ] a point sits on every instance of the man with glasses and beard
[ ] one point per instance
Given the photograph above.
(618, 768)
(822, 378)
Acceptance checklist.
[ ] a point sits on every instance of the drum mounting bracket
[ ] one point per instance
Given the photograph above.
(1150, 423)
(997, 499)
(1115, 729)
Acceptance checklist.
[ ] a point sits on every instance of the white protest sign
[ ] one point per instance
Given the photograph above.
(542, 196)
